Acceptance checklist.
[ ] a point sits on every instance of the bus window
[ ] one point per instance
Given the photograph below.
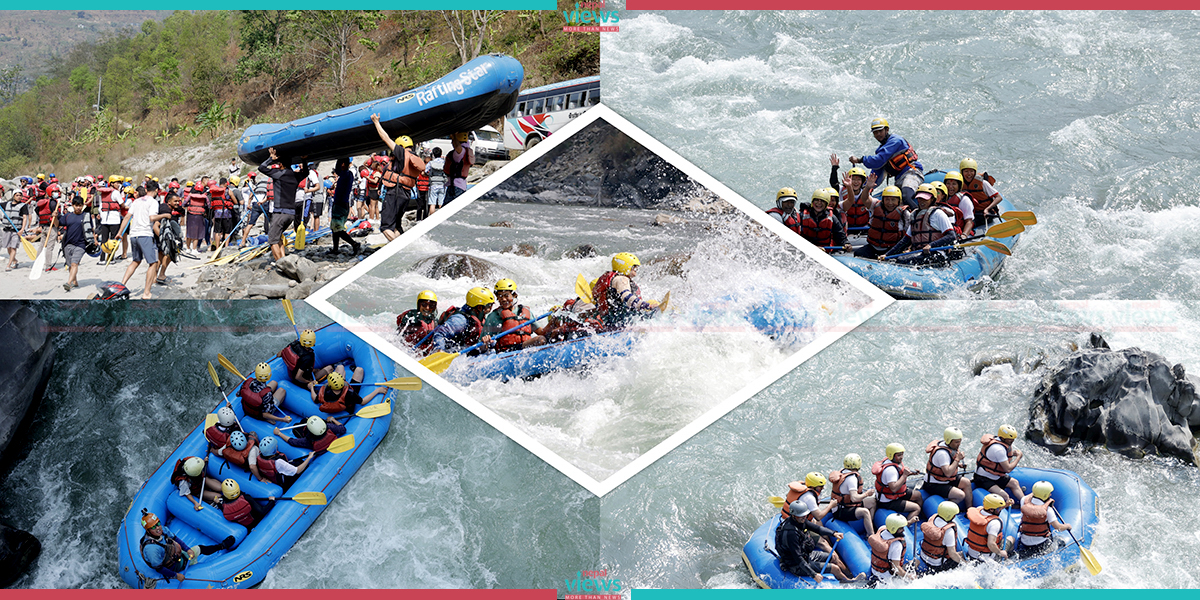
(515, 112)
(537, 107)
(573, 101)
(593, 97)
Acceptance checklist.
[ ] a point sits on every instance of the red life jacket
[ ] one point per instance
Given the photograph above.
(858, 215)
(883, 490)
(886, 228)
(992, 467)
(254, 394)
(422, 182)
(238, 457)
(795, 490)
(1035, 519)
(196, 483)
(902, 160)
(324, 441)
(955, 214)
(471, 334)
(922, 229)
(238, 511)
(220, 201)
(266, 468)
(791, 221)
(216, 437)
(196, 201)
(835, 484)
(880, 547)
(44, 212)
(508, 320)
(820, 233)
(932, 546)
(977, 533)
(412, 327)
(333, 406)
(938, 473)
(291, 356)
(979, 197)
(608, 307)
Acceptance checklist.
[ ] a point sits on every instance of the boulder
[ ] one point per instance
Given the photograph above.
(26, 357)
(507, 224)
(521, 250)
(302, 291)
(18, 550)
(268, 290)
(453, 265)
(296, 268)
(661, 220)
(581, 251)
(1129, 401)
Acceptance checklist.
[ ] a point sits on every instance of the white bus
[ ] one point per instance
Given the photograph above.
(543, 110)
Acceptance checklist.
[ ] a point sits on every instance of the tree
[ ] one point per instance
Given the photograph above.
(468, 30)
(10, 78)
(335, 34)
(269, 49)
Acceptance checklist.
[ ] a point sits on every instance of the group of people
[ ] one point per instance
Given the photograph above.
(615, 302)
(918, 220)
(245, 453)
(97, 216)
(944, 476)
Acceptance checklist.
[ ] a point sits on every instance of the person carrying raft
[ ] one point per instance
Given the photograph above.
(889, 220)
(894, 158)
(301, 361)
(891, 483)
(618, 298)
(166, 553)
(190, 480)
(1037, 517)
(983, 536)
(507, 315)
(997, 458)
(316, 435)
(984, 197)
(268, 464)
(939, 544)
(335, 396)
(887, 546)
(459, 328)
(240, 508)
(942, 477)
(846, 489)
(797, 550)
(415, 324)
(929, 228)
(261, 397)
(820, 226)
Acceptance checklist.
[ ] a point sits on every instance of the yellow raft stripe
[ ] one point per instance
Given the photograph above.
(753, 575)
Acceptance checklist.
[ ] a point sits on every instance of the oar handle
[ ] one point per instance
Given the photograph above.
(895, 256)
(1061, 520)
(424, 339)
(830, 557)
(506, 332)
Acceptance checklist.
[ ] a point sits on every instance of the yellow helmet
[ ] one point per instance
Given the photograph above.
(427, 295)
(852, 461)
(190, 183)
(858, 171)
(41, 175)
(110, 246)
(951, 434)
(992, 501)
(892, 191)
(785, 192)
(336, 381)
(895, 523)
(1007, 432)
(1042, 490)
(308, 338)
(316, 425)
(148, 176)
(115, 178)
(941, 187)
(262, 372)
(230, 489)
(821, 194)
(128, 179)
(833, 194)
(968, 163)
(927, 188)
(947, 510)
(814, 479)
(235, 180)
(462, 136)
(893, 449)
(404, 141)
(956, 176)
(480, 296)
(505, 285)
(880, 123)
(624, 262)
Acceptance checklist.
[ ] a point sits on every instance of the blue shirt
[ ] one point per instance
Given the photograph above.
(454, 325)
(72, 225)
(884, 153)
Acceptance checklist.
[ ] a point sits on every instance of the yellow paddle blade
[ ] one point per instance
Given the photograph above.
(342, 444)
(403, 383)
(29, 249)
(301, 234)
(438, 362)
(582, 290)
(777, 501)
(1026, 217)
(666, 301)
(373, 411)
(1089, 561)
(287, 307)
(213, 373)
(992, 244)
(210, 420)
(225, 362)
(1005, 229)
(309, 498)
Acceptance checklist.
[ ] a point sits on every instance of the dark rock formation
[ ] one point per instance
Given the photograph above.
(521, 249)
(1130, 401)
(581, 251)
(18, 550)
(507, 224)
(454, 266)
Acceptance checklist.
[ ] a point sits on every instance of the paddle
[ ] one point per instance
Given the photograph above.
(1026, 217)
(990, 244)
(1005, 229)
(777, 501)
(120, 232)
(830, 557)
(338, 446)
(301, 234)
(438, 362)
(213, 373)
(399, 383)
(662, 304)
(26, 244)
(287, 307)
(229, 235)
(1089, 560)
(228, 365)
(583, 290)
(309, 498)
(39, 263)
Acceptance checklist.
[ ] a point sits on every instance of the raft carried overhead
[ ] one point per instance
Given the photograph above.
(977, 266)
(255, 552)
(471, 96)
(1075, 500)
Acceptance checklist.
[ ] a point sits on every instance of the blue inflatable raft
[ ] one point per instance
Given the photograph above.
(540, 360)
(473, 95)
(1076, 502)
(978, 266)
(255, 552)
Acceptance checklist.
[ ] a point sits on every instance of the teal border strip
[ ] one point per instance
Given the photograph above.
(73, 5)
